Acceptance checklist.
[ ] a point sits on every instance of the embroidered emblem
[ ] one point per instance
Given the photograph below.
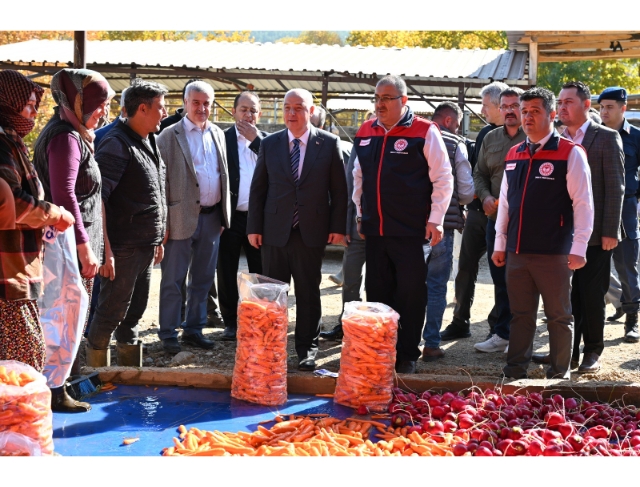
(400, 145)
(546, 169)
(510, 166)
(365, 142)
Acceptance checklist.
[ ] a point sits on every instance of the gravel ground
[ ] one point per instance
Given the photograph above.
(620, 361)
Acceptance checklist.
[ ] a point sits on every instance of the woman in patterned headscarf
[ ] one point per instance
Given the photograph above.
(63, 156)
(21, 335)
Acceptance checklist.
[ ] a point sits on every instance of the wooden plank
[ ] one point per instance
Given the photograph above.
(572, 46)
(587, 56)
(533, 63)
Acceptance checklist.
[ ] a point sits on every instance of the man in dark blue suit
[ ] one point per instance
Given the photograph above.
(613, 104)
(298, 205)
(243, 143)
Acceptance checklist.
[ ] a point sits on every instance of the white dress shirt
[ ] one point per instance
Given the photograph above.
(304, 139)
(440, 175)
(579, 188)
(579, 133)
(205, 161)
(247, 159)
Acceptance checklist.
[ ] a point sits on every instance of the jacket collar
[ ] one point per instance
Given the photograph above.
(551, 144)
(405, 121)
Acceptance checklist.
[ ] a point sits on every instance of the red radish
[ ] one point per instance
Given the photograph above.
(553, 419)
(519, 447)
(458, 404)
(635, 441)
(451, 416)
(536, 448)
(449, 426)
(578, 418)
(438, 412)
(399, 420)
(550, 435)
(425, 395)
(571, 404)
(416, 427)
(515, 433)
(486, 444)
(433, 427)
(483, 452)
(553, 451)
(465, 421)
(576, 441)
(434, 401)
(565, 429)
(598, 432)
(503, 445)
(362, 410)
(459, 449)
(447, 397)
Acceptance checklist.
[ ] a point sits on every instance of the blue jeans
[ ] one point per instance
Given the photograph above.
(499, 276)
(439, 264)
(200, 254)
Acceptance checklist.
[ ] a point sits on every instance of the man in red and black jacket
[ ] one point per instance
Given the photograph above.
(545, 218)
(402, 188)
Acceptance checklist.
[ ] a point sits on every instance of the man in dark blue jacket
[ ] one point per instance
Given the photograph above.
(613, 104)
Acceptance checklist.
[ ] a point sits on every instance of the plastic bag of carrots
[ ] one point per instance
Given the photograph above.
(260, 370)
(368, 358)
(17, 445)
(25, 404)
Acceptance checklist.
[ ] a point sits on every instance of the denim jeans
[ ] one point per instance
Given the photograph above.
(123, 301)
(439, 263)
(499, 276)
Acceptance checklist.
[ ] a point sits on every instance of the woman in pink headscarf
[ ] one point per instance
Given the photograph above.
(63, 156)
(21, 335)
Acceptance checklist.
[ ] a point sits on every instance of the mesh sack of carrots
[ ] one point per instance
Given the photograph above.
(260, 370)
(368, 358)
(25, 404)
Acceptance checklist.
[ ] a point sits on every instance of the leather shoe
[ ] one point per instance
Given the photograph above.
(198, 340)
(228, 335)
(171, 345)
(541, 358)
(334, 335)
(454, 332)
(406, 366)
(589, 363)
(430, 354)
(617, 315)
(307, 364)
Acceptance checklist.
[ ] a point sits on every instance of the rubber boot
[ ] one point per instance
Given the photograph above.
(62, 402)
(97, 358)
(631, 334)
(129, 355)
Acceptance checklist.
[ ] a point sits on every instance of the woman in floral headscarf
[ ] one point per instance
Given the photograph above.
(21, 335)
(63, 156)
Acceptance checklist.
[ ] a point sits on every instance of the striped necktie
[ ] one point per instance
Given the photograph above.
(295, 162)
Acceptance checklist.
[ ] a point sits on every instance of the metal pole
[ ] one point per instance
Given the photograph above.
(79, 55)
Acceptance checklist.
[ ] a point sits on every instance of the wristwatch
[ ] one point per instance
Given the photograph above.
(358, 219)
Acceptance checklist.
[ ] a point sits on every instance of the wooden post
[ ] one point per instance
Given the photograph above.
(325, 90)
(533, 64)
(79, 53)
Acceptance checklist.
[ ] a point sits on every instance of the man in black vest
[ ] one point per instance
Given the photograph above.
(440, 257)
(545, 217)
(243, 144)
(402, 189)
(133, 193)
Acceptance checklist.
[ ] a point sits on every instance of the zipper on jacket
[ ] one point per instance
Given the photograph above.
(524, 192)
(384, 144)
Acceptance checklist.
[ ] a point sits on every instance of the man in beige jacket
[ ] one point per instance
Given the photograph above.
(198, 199)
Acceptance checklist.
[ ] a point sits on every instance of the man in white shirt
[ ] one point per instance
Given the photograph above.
(243, 144)
(194, 151)
(545, 218)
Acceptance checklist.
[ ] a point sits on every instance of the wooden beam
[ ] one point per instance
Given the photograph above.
(533, 63)
(325, 89)
(79, 52)
(587, 56)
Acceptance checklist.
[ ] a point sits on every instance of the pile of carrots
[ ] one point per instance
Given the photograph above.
(260, 370)
(313, 435)
(25, 409)
(368, 357)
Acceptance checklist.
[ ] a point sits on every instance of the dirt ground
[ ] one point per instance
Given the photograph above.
(620, 361)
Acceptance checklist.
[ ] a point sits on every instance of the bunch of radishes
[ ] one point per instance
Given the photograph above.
(490, 423)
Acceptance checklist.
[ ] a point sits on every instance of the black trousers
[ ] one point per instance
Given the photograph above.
(232, 241)
(472, 248)
(395, 276)
(304, 264)
(589, 285)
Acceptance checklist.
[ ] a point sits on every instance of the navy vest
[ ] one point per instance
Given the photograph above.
(540, 209)
(396, 189)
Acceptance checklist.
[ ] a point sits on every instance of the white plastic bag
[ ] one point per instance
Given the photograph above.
(63, 307)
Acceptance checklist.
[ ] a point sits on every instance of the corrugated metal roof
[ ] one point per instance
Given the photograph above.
(266, 66)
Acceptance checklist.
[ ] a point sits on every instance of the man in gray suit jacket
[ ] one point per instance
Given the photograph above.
(606, 161)
(199, 206)
(297, 205)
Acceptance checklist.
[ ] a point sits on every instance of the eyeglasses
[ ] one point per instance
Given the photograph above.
(384, 99)
(507, 108)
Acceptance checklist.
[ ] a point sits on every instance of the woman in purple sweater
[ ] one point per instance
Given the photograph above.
(63, 157)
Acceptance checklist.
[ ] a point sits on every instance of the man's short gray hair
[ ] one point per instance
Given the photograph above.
(493, 90)
(122, 96)
(396, 81)
(199, 87)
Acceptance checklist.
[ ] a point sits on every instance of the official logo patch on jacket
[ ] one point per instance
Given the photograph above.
(546, 169)
(400, 145)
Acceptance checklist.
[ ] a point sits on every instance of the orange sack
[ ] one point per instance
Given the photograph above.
(368, 358)
(25, 404)
(260, 370)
